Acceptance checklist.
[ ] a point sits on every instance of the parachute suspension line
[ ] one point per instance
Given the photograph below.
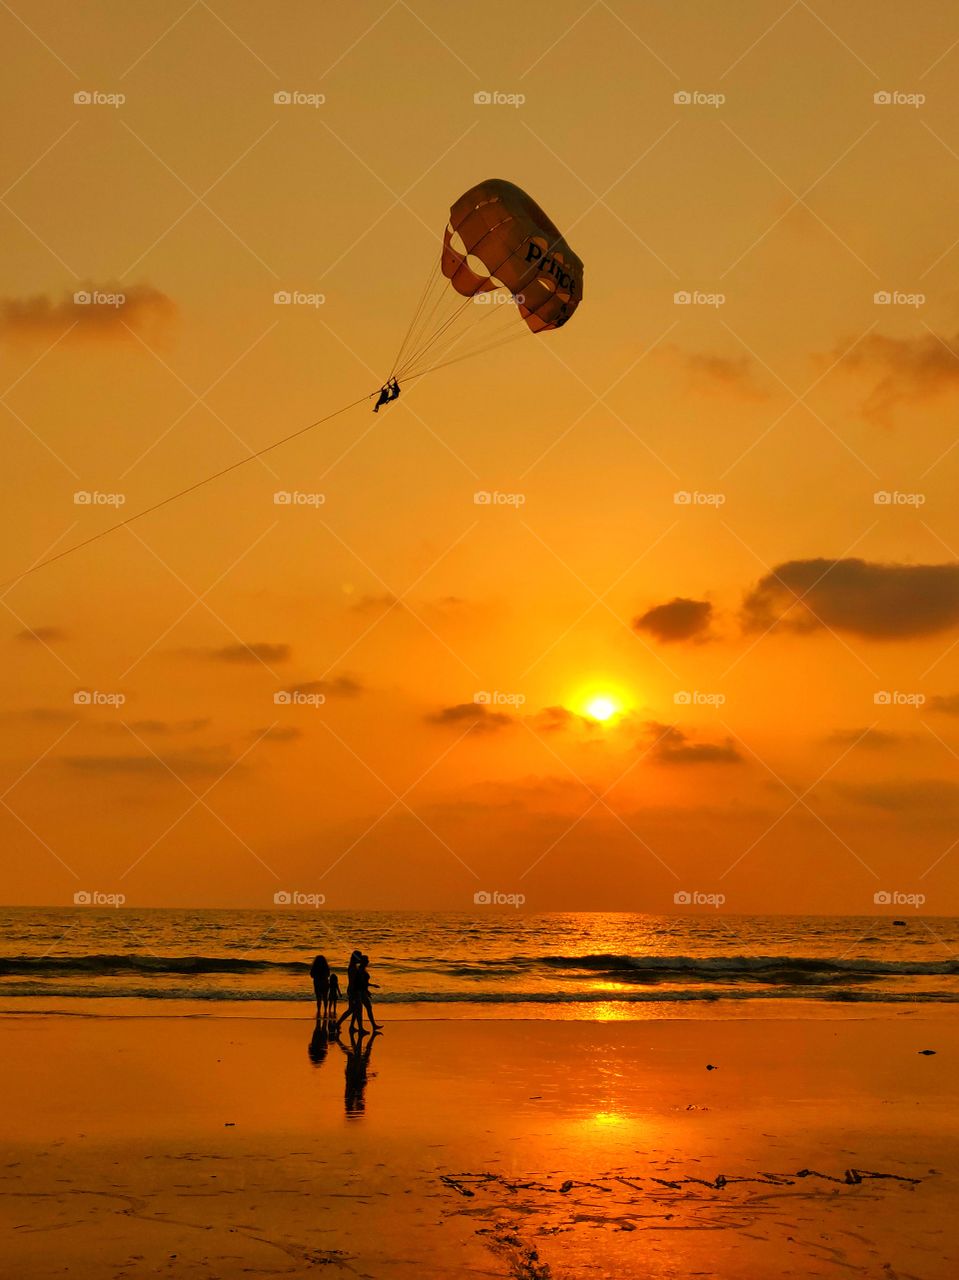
(502, 341)
(431, 280)
(447, 342)
(467, 302)
(198, 484)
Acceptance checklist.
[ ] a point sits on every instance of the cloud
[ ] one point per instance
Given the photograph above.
(338, 687)
(473, 714)
(907, 371)
(258, 651)
(42, 715)
(41, 635)
(947, 703)
(680, 619)
(872, 739)
(928, 796)
(278, 733)
(374, 604)
(143, 309)
(159, 728)
(673, 746)
(729, 375)
(879, 601)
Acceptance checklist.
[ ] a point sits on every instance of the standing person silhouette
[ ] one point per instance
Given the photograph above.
(320, 973)
(334, 995)
(354, 1010)
(363, 984)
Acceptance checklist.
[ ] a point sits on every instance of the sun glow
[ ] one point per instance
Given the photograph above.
(601, 706)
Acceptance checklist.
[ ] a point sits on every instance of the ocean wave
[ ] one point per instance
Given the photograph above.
(25, 990)
(767, 969)
(11, 966)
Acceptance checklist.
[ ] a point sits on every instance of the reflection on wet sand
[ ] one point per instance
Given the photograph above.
(357, 1068)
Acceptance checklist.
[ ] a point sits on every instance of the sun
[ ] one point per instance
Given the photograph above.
(601, 707)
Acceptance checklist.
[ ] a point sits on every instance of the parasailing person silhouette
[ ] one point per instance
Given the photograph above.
(499, 250)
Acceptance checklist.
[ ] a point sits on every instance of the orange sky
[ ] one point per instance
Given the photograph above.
(779, 782)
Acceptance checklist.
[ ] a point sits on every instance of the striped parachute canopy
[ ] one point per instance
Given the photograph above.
(499, 238)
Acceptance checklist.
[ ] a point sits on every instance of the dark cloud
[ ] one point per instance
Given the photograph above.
(680, 619)
(471, 713)
(554, 719)
(159, 728)
(673, 746)
(927, 796)
(873, 739)
(278, 733)
(879, 601)
(905, 371)
(730, 375)
(144, 310)
(260, 652)
(41, 635)
(42, 715)
(947, 703)
(338, 687)
(373, 604)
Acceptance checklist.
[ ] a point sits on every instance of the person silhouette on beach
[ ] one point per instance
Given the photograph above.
(357, 1068)
(354, 1010)
(320, 973)
(334, 995)
(363, 984)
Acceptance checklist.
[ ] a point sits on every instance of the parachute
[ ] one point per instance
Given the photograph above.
(500, 253)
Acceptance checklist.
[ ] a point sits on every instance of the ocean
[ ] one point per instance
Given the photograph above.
(489, 964)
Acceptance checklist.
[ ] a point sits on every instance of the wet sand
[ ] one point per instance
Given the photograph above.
(541, 1151)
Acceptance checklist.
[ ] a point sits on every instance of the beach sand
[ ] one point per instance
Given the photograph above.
(218, 1147)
